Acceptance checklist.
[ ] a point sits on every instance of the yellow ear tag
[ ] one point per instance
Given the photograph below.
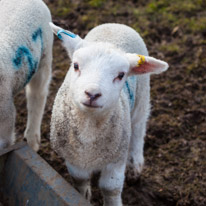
(141, 60)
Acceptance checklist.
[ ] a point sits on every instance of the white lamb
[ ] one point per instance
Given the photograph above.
(100, 112)
(25, 59)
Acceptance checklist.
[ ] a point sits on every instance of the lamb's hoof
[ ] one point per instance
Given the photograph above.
(85, 191)
(134, 169)
(33, 142)
(83, 186)
(136, 162)
(132, 175)
(88, 193)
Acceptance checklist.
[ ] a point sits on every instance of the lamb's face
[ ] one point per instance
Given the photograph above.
(98, 73)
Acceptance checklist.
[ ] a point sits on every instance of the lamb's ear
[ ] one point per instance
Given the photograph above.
(70, 40)
(140, 64)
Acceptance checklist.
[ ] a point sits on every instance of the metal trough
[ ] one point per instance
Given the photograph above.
(27, 180)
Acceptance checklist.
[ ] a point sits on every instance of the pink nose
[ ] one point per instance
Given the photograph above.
(93, 97)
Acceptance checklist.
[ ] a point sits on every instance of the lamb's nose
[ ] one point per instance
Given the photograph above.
(93, 97)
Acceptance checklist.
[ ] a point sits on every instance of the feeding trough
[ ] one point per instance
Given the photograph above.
(26, 179)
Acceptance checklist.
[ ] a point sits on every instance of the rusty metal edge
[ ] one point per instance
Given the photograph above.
(29, 180)
(12, 147)
(4, 153)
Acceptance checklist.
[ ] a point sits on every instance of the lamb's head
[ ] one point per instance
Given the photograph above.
(99, 70)
(98, 73)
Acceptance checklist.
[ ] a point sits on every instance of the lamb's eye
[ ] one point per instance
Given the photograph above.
(120, 76)
(76, 66)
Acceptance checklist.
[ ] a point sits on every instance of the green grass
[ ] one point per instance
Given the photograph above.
(96, 3)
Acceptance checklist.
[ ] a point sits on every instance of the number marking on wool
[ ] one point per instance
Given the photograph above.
(24, 53)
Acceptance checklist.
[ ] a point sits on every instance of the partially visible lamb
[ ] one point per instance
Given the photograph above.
(100, 112)
(25, 59)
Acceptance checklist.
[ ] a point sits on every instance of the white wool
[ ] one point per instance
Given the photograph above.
(94, 125)
(25, 59)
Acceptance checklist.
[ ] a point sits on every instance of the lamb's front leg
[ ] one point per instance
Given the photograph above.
(36, 92)
(135, 160)
(81, 180)
(111, 183)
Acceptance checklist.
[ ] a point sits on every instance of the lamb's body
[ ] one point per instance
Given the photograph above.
(26, 48)
(91, 141)
(103, 139)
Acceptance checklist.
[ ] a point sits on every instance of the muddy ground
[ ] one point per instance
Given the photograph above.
(175, 144)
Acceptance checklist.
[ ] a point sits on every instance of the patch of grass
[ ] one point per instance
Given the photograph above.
(62, 8)
(198, 25)
(96, 3)
(159, 6)
(183, 13)
(90, 19)
(63, 11)
(171, 48)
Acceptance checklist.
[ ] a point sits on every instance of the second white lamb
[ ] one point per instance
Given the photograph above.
(100, 112)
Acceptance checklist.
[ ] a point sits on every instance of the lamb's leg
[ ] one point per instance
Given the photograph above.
(136, 156)
(135, 161)
(81, 180)
(36, 92)
(7, 120)
(111, 184)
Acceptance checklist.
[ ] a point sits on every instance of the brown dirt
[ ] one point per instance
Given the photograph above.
(175, 144)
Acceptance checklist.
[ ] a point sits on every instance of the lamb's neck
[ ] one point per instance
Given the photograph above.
(92, 128)
(95, 118)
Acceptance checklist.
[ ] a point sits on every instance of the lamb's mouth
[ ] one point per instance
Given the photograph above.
(91, 105)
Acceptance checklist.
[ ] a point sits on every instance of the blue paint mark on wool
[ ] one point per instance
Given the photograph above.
(68, 33)
(35, 35)
(24, 53)
(129, 89)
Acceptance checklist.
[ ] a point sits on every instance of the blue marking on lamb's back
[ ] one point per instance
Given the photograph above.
(23, 53)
